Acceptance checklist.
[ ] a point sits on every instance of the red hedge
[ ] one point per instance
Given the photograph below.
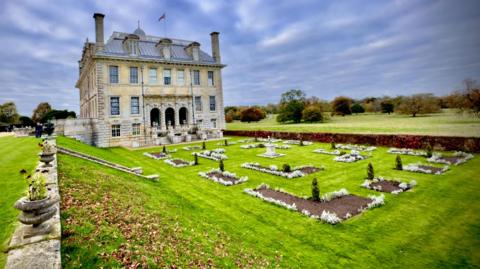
(469, 144)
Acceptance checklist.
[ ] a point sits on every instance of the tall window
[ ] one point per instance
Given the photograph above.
(167, 76)
(135, 105)
(133, 75)
(115, 130)
(210, 78)
(198, 103)
(213, 104)
(196, 77)
(214, 123)
(180, 77)
(152, 76)
(136, 129)
(113, 74)
(114, 106)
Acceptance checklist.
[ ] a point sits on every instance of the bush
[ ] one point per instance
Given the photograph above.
(164, 149)
(357, 108)
(341, 105)
(312, 114)
(251, 114)
(226, 143)
(387, 106)
(301, 142)
(204, 146)
(370, 172)
(261, 145)
(398, 163)
(228, 118)
(195, 159)
(428, 150)
(315, 190)
(332, 145)
(343, 152)
(221, 166)
(287, 168)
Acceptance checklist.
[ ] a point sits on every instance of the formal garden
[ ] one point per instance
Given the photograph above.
(228, 203)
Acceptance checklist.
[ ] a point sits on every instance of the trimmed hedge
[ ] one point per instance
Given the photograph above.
(468, 144)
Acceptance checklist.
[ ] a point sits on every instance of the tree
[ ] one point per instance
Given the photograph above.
(8, 113)
(41, 110)
(370, 172)
(251, 114)
(357, 108)
(371, 104)
(419, 104)
(292, 104)
(58, 114)
(398, 163)
(312, 114)
(315, 190)
(387, 106)
(26, 121)
(341, 105)
(228, 117)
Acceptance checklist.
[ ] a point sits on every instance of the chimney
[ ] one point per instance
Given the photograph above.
(215, 47)
(193, 49)
(99, 43)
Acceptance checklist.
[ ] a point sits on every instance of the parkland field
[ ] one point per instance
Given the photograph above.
(447, 123)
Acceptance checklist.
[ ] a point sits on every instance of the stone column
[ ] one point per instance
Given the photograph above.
(177, 116)
(162, 118)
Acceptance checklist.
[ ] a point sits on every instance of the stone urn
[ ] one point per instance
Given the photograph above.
(35, 213)
(46, 158)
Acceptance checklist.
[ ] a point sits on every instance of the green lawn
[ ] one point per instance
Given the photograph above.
(15, 154)
(447, 123)
(110, 218)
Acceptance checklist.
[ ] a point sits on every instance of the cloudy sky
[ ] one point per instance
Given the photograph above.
(326, 48)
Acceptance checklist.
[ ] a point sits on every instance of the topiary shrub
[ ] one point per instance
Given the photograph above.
(301, 142)
(164, 149)
(287, 168)
(204, 146)
(342, 153)
(398, 163)
(221, 166)
(315, 191)
(333, 146)
(428, 150)
(226, 143)
(261, 145)
(195, 159)
(370, 172)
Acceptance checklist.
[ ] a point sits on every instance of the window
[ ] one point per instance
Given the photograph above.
(214, 123)
(136, 129)
(198, 103)
(133, 75)
(180, 77)
(114, 106)
(113, 74)
(135, 105)
(210, 78)
(152, 76)
(167, 77)
(115, 130)
(200, 122)
(213, 104)
(196, 77)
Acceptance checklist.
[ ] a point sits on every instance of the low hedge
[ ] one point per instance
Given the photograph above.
(468, 144)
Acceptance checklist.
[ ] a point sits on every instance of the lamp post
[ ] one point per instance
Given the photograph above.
(193, 98)
(143, 107)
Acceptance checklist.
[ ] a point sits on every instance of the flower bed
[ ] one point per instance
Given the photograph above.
(216, 154)
(178, 162)
(405, 151)
(157, 155)
(458, 157)
(355, 147)
(391, 186)
(189, 148)
(224, 178)
(297, 142)
(353, 156)
(323, 151)
(426, 169)
(299, 171)
(332, 208)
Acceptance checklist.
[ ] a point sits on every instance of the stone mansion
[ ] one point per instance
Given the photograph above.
(137, 89)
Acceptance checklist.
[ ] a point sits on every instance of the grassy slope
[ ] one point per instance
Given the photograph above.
(15, 154)
(447, 123)
(436, 225)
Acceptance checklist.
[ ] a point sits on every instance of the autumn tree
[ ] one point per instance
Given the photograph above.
(419, 104)
(8, 113)
(341, 105)
(312, 114)
(41, 110)
(251, 114)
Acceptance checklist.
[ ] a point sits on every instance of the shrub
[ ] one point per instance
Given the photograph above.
(221, 166)
(204, 146)
(228, 118)
(315, 190)
(428, 150)
(341, 105)
(261, 145)
(301, 142)
(370, 172)
(342, 152)
(251, 114)
(36, 186)
(164, 149)
(398, 163)
(312, 114)
(332, 144)
(357, 108)
(226, 143)
(195, 159)
(287, 168)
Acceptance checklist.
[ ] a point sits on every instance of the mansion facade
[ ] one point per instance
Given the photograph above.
(136, 90)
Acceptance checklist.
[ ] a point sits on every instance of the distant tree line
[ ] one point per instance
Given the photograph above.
(295, 106)
(43, 113)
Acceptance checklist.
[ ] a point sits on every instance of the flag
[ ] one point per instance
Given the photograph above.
(162, 17)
